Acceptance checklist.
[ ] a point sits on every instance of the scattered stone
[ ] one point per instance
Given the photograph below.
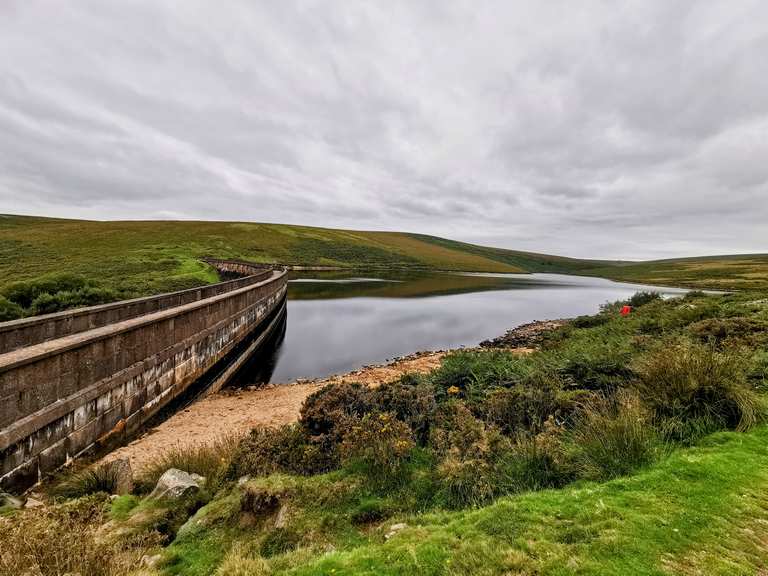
(528, 335)
(150, 561)
(281, 520)
(394, 529)
(175, 484)
(243, 480)
(33, 503)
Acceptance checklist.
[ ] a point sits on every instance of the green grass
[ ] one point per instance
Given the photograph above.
(692, 513)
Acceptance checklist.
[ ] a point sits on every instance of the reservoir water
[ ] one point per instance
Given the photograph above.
(339, 322)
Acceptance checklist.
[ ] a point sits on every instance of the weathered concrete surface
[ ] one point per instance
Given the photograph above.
(60, 397)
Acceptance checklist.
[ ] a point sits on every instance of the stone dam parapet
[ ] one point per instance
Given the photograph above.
(86, 375)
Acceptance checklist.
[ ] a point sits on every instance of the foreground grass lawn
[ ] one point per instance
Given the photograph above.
(703, 510)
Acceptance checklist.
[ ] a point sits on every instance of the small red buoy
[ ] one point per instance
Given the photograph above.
(626, 310)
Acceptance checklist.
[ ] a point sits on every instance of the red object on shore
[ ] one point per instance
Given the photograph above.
(626, 310)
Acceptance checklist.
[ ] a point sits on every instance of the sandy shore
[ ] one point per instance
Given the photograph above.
(238, 411)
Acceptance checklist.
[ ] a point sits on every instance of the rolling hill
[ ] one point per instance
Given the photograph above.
(143, 257)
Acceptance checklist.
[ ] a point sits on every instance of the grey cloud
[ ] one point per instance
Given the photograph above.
(631, 129)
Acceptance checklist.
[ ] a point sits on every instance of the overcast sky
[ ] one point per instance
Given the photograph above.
(600, 129)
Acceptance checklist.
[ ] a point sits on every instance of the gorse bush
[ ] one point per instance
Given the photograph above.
(379, 446)
(613, 436)
(692, 389)
(287, 449)
(324, 411)
(473, 458)
(413, 404)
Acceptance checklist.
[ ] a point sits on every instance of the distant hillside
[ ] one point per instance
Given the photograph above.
(152, 256)
(737, 272)
(143, 257)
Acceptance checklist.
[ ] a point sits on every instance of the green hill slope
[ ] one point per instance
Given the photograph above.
(738, 272)
(144, 257)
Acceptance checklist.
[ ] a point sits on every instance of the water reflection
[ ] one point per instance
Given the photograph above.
(339, 322)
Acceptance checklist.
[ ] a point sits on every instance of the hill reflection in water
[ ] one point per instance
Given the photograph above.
(338, 322)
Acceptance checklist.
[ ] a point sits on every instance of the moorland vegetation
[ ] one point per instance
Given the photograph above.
(623, 445)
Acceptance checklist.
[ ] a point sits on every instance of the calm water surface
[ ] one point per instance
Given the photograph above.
(337, 323)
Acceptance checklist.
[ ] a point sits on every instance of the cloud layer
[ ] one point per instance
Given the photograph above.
(603, 129)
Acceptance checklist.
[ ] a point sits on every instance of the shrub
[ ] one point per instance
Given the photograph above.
(94, 480)
(693, 389)
(414, 405)
(23, 293)
(598, 369)
(539, 461)
(613, 437)
(379, 446)
(9, 310)
(526, 407)
(208, 460)
(642, 298)
(324, 410)
(64, 539)
(469, 374)
(47, 303)
(286, 449)
(472, 469)
(735, 330)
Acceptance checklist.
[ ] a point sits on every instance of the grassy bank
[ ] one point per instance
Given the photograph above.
(625, 445)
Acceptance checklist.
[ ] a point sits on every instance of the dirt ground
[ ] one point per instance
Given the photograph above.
(238, 411)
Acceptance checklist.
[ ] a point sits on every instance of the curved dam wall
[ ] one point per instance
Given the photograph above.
(60, 396)
(28, 331)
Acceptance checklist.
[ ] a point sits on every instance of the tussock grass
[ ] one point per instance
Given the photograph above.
(92, 480)
(63, 539)
(210, 460)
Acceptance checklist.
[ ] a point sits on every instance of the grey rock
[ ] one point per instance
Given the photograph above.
(394, 529)
(281, 520)
(175, 484)
(33, 503)
(150, 561)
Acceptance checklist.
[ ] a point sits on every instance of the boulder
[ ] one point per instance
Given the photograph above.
(175, 484)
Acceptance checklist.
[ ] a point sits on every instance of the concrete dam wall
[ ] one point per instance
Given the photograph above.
(72, 380)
